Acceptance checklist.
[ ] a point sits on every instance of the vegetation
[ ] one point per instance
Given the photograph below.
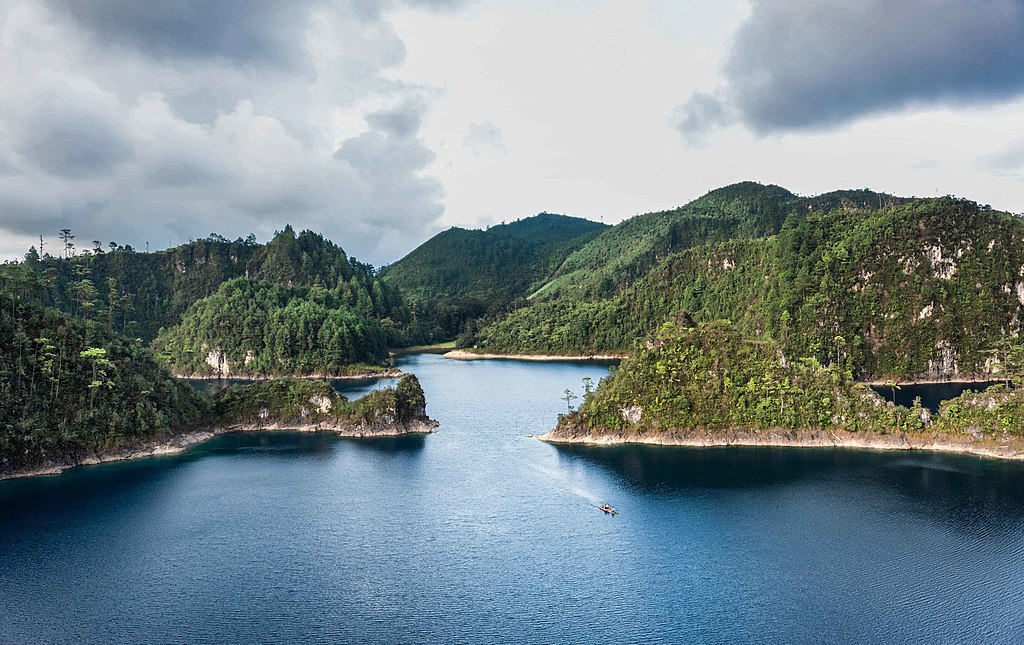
(496, 265)
(310, 401)
(137, 293)
(928, 287)
(710, 377)
(256, 327)
(460, 276)
(69, 388)
(996, 411)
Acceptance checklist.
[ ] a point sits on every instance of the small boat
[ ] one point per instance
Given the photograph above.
(608, 509)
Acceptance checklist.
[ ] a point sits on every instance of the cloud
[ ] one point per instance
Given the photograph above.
(68, 129)
(1007, 162)
(253, 31)
(389, 160)
(814, 64)
(700, 114)
(482, 137)
(163, 122)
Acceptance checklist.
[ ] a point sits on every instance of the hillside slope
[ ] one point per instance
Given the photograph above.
(918, 288)
(495, 265)
(69, 390)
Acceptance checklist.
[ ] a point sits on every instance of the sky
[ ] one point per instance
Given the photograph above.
(381, 122)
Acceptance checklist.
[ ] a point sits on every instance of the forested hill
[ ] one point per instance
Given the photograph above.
(255, 327)
(626, 252)
(137, 293)
(69, 389)
(882, 286)
(492, 266)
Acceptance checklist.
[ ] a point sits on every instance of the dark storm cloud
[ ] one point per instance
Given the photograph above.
(247, 31)
(68, 131)
(804, 64)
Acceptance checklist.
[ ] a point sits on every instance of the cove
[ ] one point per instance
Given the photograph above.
(480, 533)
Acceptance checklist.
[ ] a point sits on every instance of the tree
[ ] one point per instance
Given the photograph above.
(568, 398)
(97, 356)
(66, 237)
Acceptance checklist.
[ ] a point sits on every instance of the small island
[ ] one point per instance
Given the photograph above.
(708, 385)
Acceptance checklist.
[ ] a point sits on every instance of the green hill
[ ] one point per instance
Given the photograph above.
(496, 265)
(69, 389)
(916, 288)
(137, 293)
(254, 327)
(625, 252)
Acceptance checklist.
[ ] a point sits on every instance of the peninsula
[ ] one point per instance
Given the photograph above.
(707, 385)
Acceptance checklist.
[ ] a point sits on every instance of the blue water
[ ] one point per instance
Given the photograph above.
(931, 394)
(479, 533)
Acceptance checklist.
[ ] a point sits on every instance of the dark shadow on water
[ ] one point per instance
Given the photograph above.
(966, 491)
(673, 468)
(405, 444)
(932, 394)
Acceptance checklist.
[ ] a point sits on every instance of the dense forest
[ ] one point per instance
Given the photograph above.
(137, 293)
(461, 278)
(916, 288)
(69, 388)
(709, 382)
(496, 265)
(254, 327)
(712, 377)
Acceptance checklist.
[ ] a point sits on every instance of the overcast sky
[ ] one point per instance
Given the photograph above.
(381, 122)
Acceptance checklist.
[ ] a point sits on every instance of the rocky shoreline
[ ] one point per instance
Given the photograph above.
(990, 447)
(463, 355)
(178, 444)
(390, 372)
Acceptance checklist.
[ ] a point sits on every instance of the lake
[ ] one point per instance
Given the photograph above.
(480, 533)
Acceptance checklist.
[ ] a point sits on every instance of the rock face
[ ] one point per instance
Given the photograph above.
(314, 406)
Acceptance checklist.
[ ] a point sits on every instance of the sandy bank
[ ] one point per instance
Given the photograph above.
(463, 355)
(992, 447)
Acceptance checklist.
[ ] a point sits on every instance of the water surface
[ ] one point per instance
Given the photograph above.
(479, 533)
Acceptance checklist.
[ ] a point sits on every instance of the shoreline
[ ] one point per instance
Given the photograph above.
(391, 372)
(935, 381)
(463, 355)
(180, 444)
(1008, 449)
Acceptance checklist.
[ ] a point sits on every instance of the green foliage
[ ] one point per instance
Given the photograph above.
(922, 287)
(996, 411)
(459, 275)
(299, 401)
(257, 327)
(711, 377)
(625, 252)
(496, 265)
(69, 388)
(142, 292)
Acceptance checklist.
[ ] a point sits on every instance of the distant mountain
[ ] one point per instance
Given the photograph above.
(495, 265)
